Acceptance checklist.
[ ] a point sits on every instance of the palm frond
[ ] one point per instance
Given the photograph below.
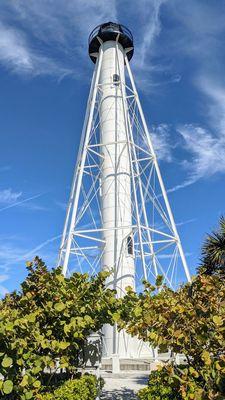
(213, 251)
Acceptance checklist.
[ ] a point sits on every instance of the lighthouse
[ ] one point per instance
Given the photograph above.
(119, 217)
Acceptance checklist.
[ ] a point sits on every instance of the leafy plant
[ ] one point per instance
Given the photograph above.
(160, 387)
(190, 321)
(84, 388)
(213, 252)
(44, 327)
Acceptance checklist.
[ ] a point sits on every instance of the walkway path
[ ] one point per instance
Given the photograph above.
(123, 386)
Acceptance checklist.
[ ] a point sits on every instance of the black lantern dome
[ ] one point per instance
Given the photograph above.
(110, 31)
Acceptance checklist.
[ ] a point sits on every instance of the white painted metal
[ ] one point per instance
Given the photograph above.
(158, 173)
(119, 217)
(115, 175)
(115, 183)
(80, 166)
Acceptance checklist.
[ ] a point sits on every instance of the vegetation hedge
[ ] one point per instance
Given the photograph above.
(44, 327)
(84, 388)
(160, 387)
(189, 321)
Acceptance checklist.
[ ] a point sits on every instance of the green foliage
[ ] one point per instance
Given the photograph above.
(190, 321)
(45, 326)
(85, 388)
(213, 252)
(160, 387)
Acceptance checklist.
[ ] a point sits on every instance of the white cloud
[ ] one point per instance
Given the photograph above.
(46, 38)
(13, 49)
(7, 196)
(11, 253)
(10, 199)
(161, 141)
(151, 28)
(207, 151)
(188, 221)
(65, 20)
(33, 252)
(205, 145)
(150, 69)
(183, 185)
(17, 55)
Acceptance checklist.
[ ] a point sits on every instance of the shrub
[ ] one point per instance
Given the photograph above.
(190, 321)
(160, 387)
(44, 327)
(84, 388)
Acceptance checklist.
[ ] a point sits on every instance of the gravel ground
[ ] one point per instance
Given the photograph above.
(123, 386)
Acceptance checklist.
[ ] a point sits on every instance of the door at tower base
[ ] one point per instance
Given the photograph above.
(124, 345)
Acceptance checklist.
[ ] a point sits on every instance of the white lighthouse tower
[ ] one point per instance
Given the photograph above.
(118, 217)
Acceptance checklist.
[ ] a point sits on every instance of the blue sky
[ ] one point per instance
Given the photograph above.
(44, 80)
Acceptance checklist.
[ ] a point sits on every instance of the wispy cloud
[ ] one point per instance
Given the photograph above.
(151, 27)
(151, 70)
(199, 34)
(14, 203)
(44, 38)
(34, 251)
(160, 135)
(207, 151)
(183, 185)
(206, 145)
(17, 55)
(7, 196)
(188, 221)
(11, 253)
(13, 49)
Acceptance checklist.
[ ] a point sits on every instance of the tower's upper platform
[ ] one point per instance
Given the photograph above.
(110, 31)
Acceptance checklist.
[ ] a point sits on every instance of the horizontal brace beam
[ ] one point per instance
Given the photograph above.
(89, 237)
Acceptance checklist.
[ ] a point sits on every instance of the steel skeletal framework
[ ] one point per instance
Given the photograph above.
(119, 217)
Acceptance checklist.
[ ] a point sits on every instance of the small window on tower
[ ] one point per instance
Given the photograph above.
(130, 246)
(116, 79)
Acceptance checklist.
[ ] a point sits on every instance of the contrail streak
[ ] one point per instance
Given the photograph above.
(31, 252)
(40, 246)
(21, 202)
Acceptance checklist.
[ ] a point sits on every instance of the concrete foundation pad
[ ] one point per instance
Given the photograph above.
(123, 386)
(124, 365)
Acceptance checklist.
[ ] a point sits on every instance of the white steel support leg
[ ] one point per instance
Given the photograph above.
(80, 166)
(184, 262)
(75, 175)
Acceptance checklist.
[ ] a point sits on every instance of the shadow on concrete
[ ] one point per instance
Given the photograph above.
(123, 394)
(142, 380)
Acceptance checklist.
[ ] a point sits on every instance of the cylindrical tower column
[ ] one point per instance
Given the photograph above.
(115, 181)
(115, 176)
(118, 255)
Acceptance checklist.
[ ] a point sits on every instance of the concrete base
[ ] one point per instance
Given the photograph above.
(108, 364)
(123, 386)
